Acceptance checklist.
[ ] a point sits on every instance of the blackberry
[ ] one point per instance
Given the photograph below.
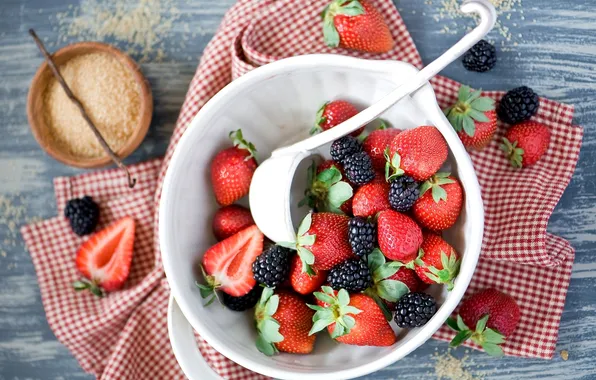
(244, 302)
(271, 267)
(344, 147)
(359, 169)
(518, 105)
(481, 57)
(352, 275)
(414, 310)
(83, 215)
(403, 192)
(362, 236)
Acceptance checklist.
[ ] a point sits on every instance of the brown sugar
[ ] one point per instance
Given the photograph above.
(108, 91)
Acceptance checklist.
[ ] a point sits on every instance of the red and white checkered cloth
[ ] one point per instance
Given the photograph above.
(124, 335)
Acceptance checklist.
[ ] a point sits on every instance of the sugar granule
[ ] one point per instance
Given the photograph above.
(449, 367)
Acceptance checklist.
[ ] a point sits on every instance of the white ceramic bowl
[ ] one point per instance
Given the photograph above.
(273, 105)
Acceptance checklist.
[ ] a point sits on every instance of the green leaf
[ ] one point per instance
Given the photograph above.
(375, 260)
(306, 256)
(343, 297)
(315, 307)
(392, 290)
(287, 244)
(339, 193)
(353, 8)
(349, 322)
(460, 338)
(269, 329)
(306, 240)
(319, 325)
(491, 336)
(80, 285)
(481, 324)
(384, 271)
(382, 125)
(272, 305)
(265, 347)
(96, 291)
(305, 224)
(330, 33)
(326, 313)
(329, 176)
(469, 126)
(338, 331)
(473, 96)
(483, 104)
(439, 194)
(451, 322)
(463, 92)
(425, 187)
(478, 116)
(493, 349)
(328, 290)
(324, 298)
(349, 310)
(460, 323)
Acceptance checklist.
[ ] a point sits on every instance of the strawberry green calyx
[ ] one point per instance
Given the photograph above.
(240, 143)
(470, 107)
(338, 7)
(319, 120)
(327, 191)
(384, 288)
(392, 167)
(85, 284)
(337, 311)
(208, 291)
(435, 185)
(302, 239)
(267, 326)
(446, 275)
(513, 153)
(483, 336)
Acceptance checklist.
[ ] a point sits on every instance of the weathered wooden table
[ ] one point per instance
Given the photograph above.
(550, 46)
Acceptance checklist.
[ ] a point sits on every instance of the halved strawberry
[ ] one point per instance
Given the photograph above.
(104, 259)
(228, 264)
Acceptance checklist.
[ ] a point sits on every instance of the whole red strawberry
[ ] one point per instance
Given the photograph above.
(240, 250)
(371, 199)
(333, 113)
(229, 220)
(375, 145)
(440, 202)
(473, 117)
(302, 282)
(327, 191)
(322, 241)
(104, 259)
(438, 262)
(487, 317)
(398, 235)
(232, 170)
(525, 143)
(419, 153)
(356, 25)
(283, 322)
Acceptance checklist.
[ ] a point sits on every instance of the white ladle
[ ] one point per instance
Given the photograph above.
(272, 181)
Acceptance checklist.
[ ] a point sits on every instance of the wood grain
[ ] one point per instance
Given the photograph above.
(552, 50)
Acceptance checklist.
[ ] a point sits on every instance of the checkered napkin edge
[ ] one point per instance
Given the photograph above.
(125, 335)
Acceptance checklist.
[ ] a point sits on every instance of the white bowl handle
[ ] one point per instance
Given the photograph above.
(488, 17)
(185, 347)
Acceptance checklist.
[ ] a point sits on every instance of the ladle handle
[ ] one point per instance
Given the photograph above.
(488, 17)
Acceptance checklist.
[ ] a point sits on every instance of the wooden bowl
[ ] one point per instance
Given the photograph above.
(35, 106)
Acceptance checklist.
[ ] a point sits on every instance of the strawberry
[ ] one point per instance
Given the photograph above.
(322, 241)
(356, 25)
(104, 259)
(439, 208)
(473, 117)
(491, 314)
(327, 191)
(228, 264)
(525, 143)
(230, 220)
(399, 236)
(355, 319)
(333, 113)
(388, 286)
(301, 282)
(419, 153)
(376, 143)
(371, 199)
(232, 170)
(283, 322)
(438, 262)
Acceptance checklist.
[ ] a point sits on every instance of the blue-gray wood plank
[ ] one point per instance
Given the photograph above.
(553, 50)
